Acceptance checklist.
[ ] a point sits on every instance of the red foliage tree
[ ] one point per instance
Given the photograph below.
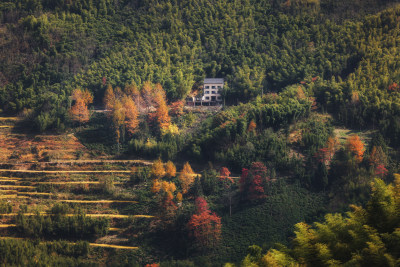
(394, 87)
(204, 225)
(252, 181)
(380, 170)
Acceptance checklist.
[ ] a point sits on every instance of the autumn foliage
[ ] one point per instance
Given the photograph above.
(253, 180)
(79, 111)
(325, 154)
(186, 177)
(204, 225)
(252, 126)
(355, 146)
(157, 170)
(131, 115)
(170, 169)
(224, 174)
(109, 98)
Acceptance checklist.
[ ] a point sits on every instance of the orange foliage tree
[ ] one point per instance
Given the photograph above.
(176, 108)
(168, 188)
(224, 174)
(131, 115)
(355, 146)
(156, 186)
(204, 225)
(79, 111)
(186, 177)
(147, 94)
(252, 127)
(170, 169)
(109, 98)
(157, 170)
(162, 115)
(179, 197)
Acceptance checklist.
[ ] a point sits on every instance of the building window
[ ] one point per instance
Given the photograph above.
(213, 92)
(207, 92)
(213, 87)
(207, 98)
(207, 87)
(219, 87)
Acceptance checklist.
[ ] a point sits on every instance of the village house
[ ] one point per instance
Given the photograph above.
(212, 93)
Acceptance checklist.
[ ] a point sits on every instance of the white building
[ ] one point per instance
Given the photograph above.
(212, 89)
(212, 93)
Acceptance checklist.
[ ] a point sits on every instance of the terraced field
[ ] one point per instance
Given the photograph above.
(38, 171)
(40, 189)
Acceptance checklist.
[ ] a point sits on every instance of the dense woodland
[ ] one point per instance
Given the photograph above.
(268, 175)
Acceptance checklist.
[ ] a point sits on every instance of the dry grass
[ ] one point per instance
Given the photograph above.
(79, 182)
(7, 225)
(343, 133)
(9, 118)
(36, 193)
(111, 246)
(12, 196)
(96, 201)
(69, 171)
(112, 216)
(18, 186)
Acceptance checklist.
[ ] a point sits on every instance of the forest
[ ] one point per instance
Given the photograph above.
(103, 163)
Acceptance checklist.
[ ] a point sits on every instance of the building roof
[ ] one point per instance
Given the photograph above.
(213, 80)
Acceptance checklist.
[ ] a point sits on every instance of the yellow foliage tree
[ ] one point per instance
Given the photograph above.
(156, 186)
(109, 98)
(186, 177)
(169, 188)
(118, 118)
(170, 169)
(157, 170)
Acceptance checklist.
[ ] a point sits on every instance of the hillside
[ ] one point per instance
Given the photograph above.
(102, 162)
